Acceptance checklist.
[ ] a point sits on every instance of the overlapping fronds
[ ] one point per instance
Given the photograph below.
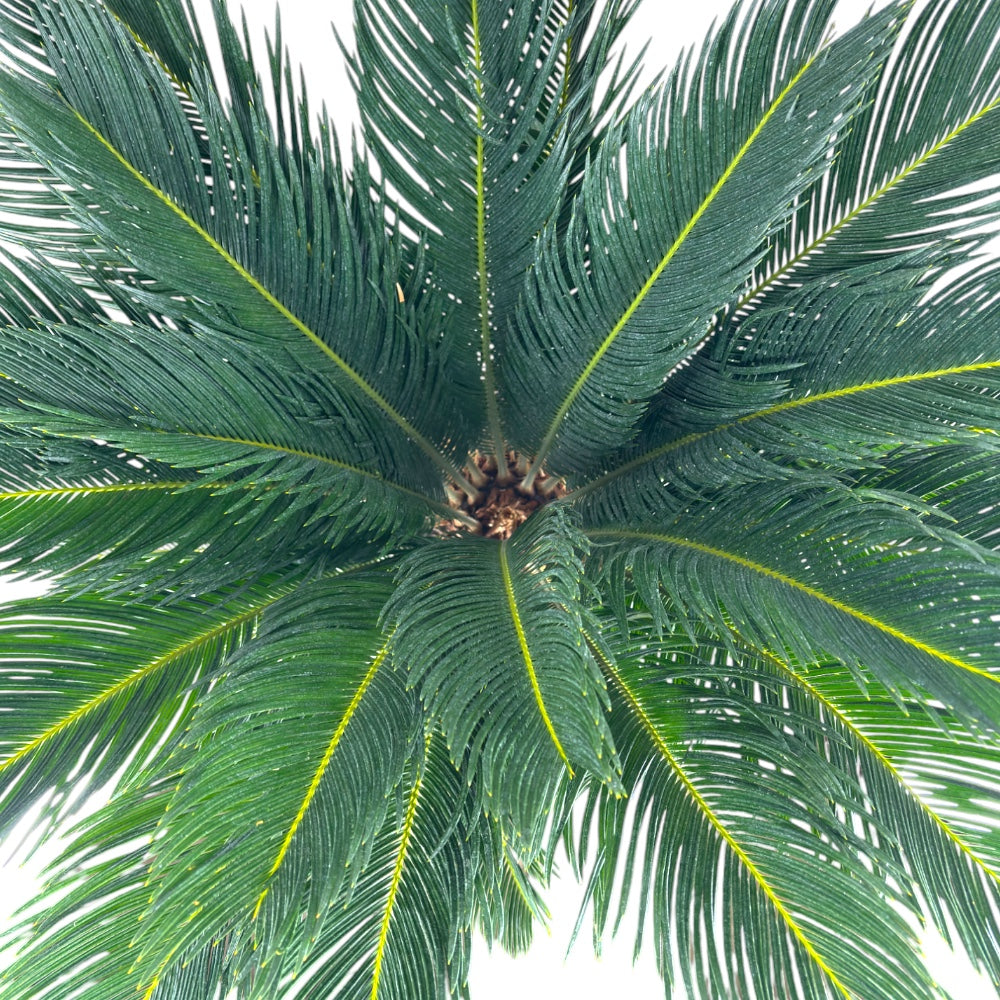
(288, 768)
(106, 683)
(269, 449)
(102, 884)
(678, 202)
(736, 761)
(235, 236)
(916, 168)
(556, 450)
(403, 931)
(937, 782)
(523, 696)
(483, 159)
(509, 897)
(887, 372)
(830, 573)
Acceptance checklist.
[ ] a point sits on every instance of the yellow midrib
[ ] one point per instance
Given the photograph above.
(78, 489)
(436, 456)
(635, 705)
(321, 769)
(824, 237)
(312, 456)
(801, 587)
(134, 678)
(529, 665)
(863, 738)
(489, 378)
(397, 872)
(630, 310)
(785, 405)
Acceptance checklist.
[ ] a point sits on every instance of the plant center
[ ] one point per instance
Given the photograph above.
(502, 506)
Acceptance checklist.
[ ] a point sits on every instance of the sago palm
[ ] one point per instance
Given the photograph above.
(571, 467)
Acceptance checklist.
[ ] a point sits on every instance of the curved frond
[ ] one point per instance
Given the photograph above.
(83, 507)
(832, 381)
(277, 457)
(91, 685)
(827, 572)
(170, 31)
(490, 631)
(475, 113)
(283, 254)
(288, 766)
(918, 167)
(602, 325)
(403, 931)
(728, 763)
(510, 903)
(961, 481)
(82, 948)
(111, 523)
(935, 780)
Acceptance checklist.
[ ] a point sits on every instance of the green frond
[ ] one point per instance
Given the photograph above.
(279, 456)
(603, 322)
(475, 114)
(530, 711)
(299, 744)
(401, 933)
(961, 481)
(169, 30)
(510, 901)
(92, 686)
(101, 882)
(935, 780)
(827, 571)
(916, 169)
(728, 762)
(884, 374)
(281, 253)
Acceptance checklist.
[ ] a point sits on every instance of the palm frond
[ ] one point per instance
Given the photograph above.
(475, 114)
(311, 729)
(893, 186)
(510, 900)
(412, 902)
(101, 881)
(279, 458)
(888, 373)
(961, 481)
(695, 711)
(523, 695)
(106, 684)
(936, 781)
(826, 570)
(177, 199)
(601, 327)
(171, 31)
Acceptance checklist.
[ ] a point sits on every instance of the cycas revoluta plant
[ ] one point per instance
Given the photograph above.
(572, 467)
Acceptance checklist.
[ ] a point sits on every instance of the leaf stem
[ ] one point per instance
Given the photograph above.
(397, 874)
(331, 749)
(522, 639)
(485, 338)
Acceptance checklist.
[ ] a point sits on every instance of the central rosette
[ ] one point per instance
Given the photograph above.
(502, 505)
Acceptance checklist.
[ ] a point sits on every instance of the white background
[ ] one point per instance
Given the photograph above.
(545, 971)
